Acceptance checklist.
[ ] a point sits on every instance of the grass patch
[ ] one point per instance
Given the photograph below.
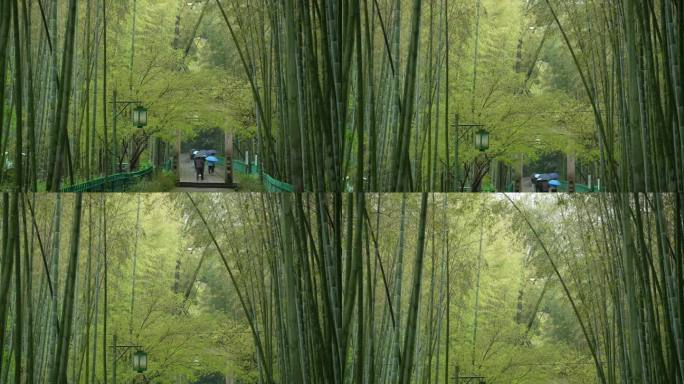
(248, 183)
(163, 181)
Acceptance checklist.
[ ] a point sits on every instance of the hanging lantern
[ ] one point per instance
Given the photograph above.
(140, 116)
(482, 140)
(140, 361)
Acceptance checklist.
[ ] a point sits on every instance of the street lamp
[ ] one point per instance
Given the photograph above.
(482, 139)
(140, 116)
(140, 361)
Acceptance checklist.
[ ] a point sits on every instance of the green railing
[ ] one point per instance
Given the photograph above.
(168, 165)
(270, 183)
(580, 188)
(114, 183)
(241, 166)
(273, 185)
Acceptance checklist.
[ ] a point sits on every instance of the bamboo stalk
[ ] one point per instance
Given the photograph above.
(62, 358)
(19, 94)
(7, 265)
(410, 338)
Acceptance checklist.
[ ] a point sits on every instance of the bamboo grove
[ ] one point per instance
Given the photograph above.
(63, 64)
(42, 108)
(353, 92)
(339, 288)
(344, 99)
(367, 95)
(629, 294)
(633, 74)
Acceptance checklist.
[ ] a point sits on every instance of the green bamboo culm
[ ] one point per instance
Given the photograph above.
(19, 94)
(59, 142)
(5, 21)
(8, 230)
(32, 183)
(414, 304)
(62, 356)
(402, 179)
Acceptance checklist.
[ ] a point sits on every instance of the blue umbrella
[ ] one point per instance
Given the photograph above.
(545, 176)
(554, 183)
(212, 159)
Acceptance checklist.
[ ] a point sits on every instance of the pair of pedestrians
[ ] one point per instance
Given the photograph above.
(199, 161)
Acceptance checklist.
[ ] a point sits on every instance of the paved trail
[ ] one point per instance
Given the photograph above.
(213, 181)
(192, 189)
(187, 172)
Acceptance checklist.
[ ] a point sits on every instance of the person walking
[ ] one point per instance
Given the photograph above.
(554, 185)
(199, 167)
(211, 161)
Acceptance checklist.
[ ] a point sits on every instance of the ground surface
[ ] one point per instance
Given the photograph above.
(195, 189)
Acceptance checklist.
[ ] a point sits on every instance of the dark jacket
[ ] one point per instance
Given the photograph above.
(199, 162)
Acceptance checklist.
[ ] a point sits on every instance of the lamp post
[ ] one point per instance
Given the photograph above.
(481, 136)
(139, 358)
(468, 378)
(480, 142)
(139, 117)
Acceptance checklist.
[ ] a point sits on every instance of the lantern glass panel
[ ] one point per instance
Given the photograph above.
(140, 116)
(140, 361)
(143, 116)
(482, 140)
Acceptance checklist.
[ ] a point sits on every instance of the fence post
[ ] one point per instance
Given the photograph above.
(229, 158)
(519, 179)
(176, 156)
(571, 173)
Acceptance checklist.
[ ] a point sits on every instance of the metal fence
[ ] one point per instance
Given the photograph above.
(271, 184)
(113, 183)
(580, 188)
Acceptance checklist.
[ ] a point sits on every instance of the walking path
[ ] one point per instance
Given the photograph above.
(202, 189)
(214, 182)
(187, 172)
